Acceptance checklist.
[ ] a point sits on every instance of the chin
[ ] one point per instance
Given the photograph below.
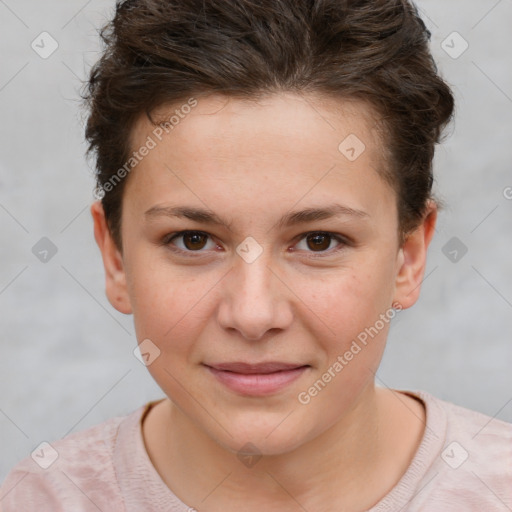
(263, 436)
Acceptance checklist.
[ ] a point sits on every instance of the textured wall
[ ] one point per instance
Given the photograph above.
(66, 356)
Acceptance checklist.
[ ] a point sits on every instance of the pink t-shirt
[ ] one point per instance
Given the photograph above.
(464, 463)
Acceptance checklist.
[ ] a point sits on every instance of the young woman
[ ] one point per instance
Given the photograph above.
(264, 181)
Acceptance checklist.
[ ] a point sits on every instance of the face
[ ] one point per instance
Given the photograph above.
(256, 313)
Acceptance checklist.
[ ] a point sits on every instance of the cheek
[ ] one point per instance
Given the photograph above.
(164, 298)
(356, 309)
(348, 301)
(168, 310)
(355, 313)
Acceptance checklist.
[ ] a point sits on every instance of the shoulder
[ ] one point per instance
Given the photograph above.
(74, 473)
(483, 434)
(475, 461)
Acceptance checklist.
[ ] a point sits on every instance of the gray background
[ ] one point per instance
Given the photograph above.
(67, 356)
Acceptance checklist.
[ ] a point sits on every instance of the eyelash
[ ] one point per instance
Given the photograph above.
(197, 254)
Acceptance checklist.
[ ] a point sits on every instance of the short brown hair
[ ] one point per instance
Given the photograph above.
(160, 52)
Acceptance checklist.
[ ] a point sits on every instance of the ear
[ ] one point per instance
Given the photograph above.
(412, 259)
(115, 277)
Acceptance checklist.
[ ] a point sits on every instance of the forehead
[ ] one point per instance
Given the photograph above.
(273, 126)
(278, 149)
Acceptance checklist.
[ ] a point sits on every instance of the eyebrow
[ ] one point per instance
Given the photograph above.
(206, 216)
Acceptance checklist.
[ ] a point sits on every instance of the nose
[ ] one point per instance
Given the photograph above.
(255, 299)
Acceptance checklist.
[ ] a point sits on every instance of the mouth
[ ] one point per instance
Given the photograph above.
(256, 379)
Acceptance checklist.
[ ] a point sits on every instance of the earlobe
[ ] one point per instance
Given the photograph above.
(412, 259)
(115, 276)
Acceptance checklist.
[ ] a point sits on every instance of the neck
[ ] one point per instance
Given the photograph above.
(350, 460)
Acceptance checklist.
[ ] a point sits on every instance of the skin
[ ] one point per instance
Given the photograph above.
(251, 162)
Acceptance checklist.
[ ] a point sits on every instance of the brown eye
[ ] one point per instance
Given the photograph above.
(319, 241)
(194, 241)
(188, 241)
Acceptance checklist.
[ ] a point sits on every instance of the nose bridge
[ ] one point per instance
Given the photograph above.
(254, 302)
(253, 267)
(255, 278)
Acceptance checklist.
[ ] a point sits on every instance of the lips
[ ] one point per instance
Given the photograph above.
(258, 379)
(260, 368)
